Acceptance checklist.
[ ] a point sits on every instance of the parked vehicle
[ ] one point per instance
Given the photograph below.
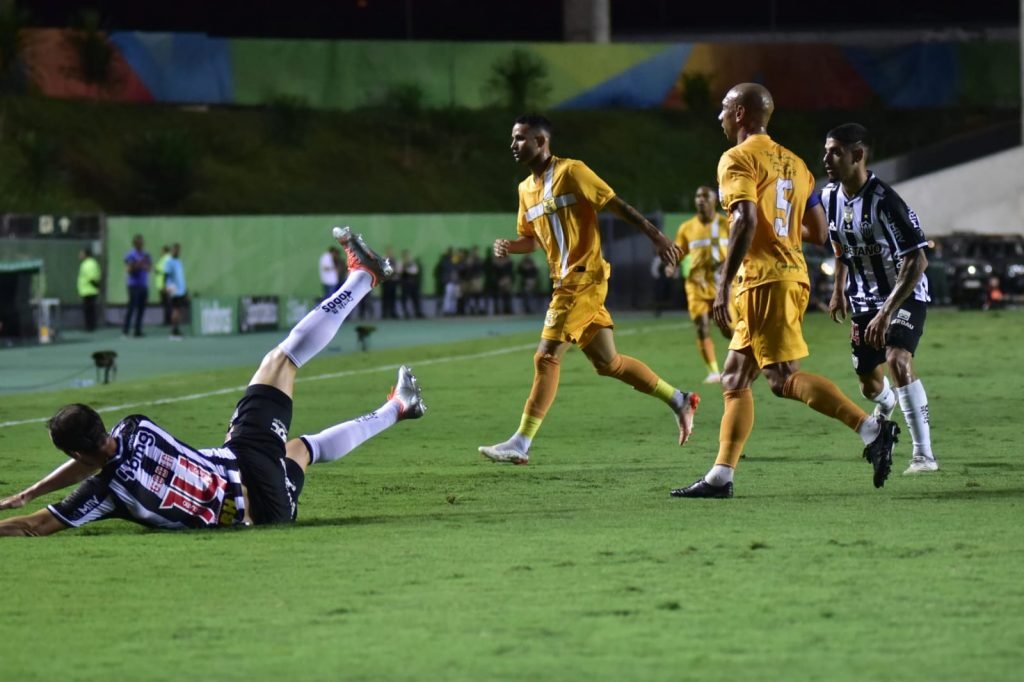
(978, 264)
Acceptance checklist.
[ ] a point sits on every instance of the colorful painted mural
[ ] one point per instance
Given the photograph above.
(198, 69)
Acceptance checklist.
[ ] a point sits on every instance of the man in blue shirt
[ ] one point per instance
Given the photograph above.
(174, 285)
(137, 265)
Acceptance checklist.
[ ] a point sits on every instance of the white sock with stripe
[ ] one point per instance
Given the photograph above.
(914, 403)
(313, 332)
(337, 441)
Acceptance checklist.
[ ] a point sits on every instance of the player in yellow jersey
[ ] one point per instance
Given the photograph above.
(558, 206)
(770, 197)
(705, 239)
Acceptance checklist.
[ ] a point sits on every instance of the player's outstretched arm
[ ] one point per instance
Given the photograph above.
(38, 523)
(668, 251)
(67, 474)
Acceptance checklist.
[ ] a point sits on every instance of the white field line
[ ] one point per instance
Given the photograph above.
(330, 375)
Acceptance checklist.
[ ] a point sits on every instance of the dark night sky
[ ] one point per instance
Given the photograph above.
(518, 20)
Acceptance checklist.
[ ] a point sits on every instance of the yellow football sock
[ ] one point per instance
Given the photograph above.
(528, 426)
(737, 423)
(823, 396)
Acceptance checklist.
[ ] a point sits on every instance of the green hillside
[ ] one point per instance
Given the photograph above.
(76, 156)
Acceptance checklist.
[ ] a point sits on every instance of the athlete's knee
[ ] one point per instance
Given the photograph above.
(543, 362)
(611, 368)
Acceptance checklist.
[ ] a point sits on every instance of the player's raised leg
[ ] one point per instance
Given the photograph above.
(314, 331)
(601, 352)
(405, 401)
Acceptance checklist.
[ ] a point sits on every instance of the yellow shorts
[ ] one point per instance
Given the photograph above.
(577, 312)
(769, 322)
(699, 300)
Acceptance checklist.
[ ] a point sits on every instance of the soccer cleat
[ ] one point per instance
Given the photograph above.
(713, 378)
(361, 256)
(504, 452)
(879, 451)
(701, 488)
(409, 395)
(685, 416)
(921, 465)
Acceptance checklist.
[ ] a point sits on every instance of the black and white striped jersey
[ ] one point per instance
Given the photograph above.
(871, 232)
(158, 481)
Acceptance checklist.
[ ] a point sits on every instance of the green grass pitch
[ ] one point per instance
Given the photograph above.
(415, 559)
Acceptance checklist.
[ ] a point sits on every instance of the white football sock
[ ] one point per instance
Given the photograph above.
(719, 475)
(869, 430)
(520, 442)
(313, 332)
(339, 440)
(886, 398)
(914, 404)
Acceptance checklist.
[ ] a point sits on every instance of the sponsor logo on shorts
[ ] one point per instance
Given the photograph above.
(903, 322)
(86, 507)
(338, 303)
(903, 314)
(278, 427)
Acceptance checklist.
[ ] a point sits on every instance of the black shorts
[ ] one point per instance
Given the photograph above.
(178, 301)
(906, 327)
(257, 436)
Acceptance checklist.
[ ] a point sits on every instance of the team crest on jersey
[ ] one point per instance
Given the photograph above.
(278, 427)
(848, 214)
(549, 205)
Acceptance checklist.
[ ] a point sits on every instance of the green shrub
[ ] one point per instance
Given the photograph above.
(166, 167)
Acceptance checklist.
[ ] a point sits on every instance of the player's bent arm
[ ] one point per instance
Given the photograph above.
(39, 523)
(667, 249)
(744, 223)
(815, 227)
(522, 245)
(67, 474)
(914, 264)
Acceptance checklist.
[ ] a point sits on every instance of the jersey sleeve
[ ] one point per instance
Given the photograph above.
(91, 501)
(681, 241)
(523, 226)
(595, 190)
(902, 222)
(736, 180)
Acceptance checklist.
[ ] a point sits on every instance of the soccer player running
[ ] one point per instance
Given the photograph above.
(558, 206)
(769, 194)
(880, 282)
(705, 239)
(140, 472)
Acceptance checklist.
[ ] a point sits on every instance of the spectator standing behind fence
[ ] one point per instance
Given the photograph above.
(158, 282)
(328, 266)
(137, 265)
(177, 293)
(89, 274)
(411, 281)
(504, 281)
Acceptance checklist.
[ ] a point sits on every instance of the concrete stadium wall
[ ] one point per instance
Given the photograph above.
(986, 195)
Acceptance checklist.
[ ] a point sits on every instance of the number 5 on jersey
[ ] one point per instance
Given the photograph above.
(783, 193)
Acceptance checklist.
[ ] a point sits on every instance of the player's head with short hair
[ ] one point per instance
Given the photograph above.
(77, 428)
(846, 152)
(531, 140)
(537, 122)
(850, 135)
(706, 200)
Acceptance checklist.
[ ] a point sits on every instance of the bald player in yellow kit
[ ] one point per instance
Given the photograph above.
(558, 206)
(769, 194)
(705, 239)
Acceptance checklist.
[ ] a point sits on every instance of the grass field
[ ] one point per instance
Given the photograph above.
(415, 559)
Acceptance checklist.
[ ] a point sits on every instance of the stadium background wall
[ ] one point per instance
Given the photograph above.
(255, 255)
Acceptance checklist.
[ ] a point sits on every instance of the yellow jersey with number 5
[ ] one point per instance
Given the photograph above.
(778, 182)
